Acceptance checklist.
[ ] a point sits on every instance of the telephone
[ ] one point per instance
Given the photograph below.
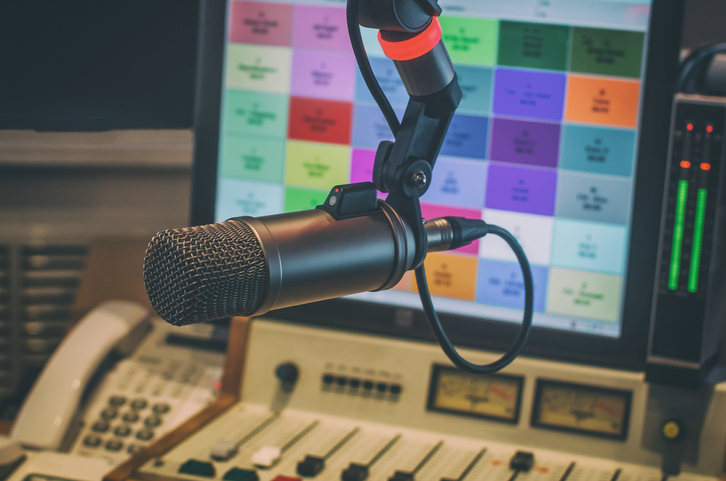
(118, 381)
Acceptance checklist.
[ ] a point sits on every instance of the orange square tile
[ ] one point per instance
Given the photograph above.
(450, 276)
(602, 101)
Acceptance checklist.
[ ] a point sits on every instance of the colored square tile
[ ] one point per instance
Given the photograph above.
(521, 189)
(324, 75)
(598, 150)
(533, 232)
(297, 199)
(260, 68)
(522, 142)
(476, 88)
(389, 80)
(255, 113)
(261, 23)
(602, 101)
(370, 126)
(253, 158)
(236, 198)
(320, 120)
(361, 165)
(321, 28)
(589, 246)
(584, 294)
(450, 276)
(526, 93)
(467, 137)
(607, 52)
(501, 283)
(470, 40)
(533, 45)
(593, 198)
(458, 182)
(317, 166)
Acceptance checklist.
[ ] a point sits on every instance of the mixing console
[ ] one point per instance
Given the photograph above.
(328, 426)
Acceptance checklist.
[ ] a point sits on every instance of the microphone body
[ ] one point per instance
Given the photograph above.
(247, 266)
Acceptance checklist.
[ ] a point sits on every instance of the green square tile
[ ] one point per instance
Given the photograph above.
(607, 52)
(471, 40)
(533, 45)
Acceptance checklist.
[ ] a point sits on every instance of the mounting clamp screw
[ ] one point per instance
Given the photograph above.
(418, 179)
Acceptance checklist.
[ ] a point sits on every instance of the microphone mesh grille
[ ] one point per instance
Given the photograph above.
(203, 273)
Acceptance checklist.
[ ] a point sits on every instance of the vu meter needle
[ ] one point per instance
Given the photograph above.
(268, 456)
(468, 469)
(313, 465)
(359, 472)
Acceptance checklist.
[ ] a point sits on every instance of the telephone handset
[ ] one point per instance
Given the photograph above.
(51, 405)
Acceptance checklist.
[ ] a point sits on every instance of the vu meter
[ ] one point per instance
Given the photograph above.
(582, 409)
(494, 396)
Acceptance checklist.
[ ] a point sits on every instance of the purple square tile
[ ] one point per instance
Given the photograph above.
(524, 93)
(522, 142)
(521, 189)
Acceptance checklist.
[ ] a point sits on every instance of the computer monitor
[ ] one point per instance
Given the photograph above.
(561, 137)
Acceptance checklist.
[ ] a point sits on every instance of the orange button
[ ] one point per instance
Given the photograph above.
(602, 101)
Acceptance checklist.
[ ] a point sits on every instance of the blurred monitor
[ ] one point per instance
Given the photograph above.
(561, 138)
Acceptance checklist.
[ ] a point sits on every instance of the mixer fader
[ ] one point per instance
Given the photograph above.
(337, 434)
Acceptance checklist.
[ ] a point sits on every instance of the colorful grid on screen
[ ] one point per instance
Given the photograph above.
(543, 143)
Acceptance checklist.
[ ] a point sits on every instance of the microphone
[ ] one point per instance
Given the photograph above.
(248, 266)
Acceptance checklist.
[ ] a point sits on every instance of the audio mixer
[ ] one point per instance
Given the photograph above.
(329, 405)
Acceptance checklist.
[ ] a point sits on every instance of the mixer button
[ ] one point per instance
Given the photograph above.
(355, 383)
(311, 466)
(401, 476)
(396, 389)
(368, 385)
(266, 456)
(341, 381)
(355, 472)
(237, 474)
(223, 449)
(328, 379)
(198, 468)
(285, 478)
(381, 387)
(521, 461)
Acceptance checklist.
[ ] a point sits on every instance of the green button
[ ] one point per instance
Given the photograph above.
(198, 468)
(237, 474)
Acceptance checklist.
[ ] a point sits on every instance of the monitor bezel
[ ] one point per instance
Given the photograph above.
(626, 352)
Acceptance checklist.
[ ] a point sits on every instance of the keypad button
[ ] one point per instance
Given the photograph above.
(117, 401)
(114, 445)
(161, 408)
(381, 387)
(145, 434)
(91, 441)
(367, 385)
(100, 426)
(396, 389)
(109, 413)
(122, 431)
(355, 383)
(138, 404)
(134, 448)
(130, 417)
(152, 421)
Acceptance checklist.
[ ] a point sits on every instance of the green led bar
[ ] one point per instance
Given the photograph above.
(695, 267)
(678, 227)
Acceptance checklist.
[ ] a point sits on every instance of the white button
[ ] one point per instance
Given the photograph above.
(266, 457)
(223, 449)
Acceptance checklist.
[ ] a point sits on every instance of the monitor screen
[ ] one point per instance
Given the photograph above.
(544, 143)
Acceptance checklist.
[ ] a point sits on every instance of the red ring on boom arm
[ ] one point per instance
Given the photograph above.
(414, 47)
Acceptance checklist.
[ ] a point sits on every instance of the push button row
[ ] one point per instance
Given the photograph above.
(331, 380)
